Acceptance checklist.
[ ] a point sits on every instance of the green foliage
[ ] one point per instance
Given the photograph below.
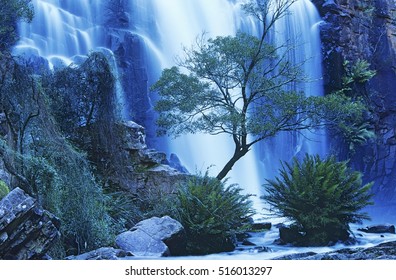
(240, 86)
(320, 197)
(211, 214)
(356, 135)
(4, 190)
(11, 12)
(45, 164)
(356, 75)
(354, 131)
(83, 95)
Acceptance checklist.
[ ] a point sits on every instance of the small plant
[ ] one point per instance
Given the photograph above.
(4, 190)
(320, 197)
(212, 214)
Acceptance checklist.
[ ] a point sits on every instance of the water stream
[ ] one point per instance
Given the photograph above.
(64, 31)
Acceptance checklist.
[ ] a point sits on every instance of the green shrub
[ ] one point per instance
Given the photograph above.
(4, 190)
(320, 197)
(212, 214)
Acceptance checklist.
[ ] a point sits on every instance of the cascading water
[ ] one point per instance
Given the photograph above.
(66, 31)
(299, 29)
(179, 23)
(63, 31)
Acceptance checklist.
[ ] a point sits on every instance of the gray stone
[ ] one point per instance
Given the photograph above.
(154, 237)
(133, 135)
(141, 244)
(26, 230)
(105, 253)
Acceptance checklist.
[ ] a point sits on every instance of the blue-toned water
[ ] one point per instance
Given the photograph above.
(66, 31)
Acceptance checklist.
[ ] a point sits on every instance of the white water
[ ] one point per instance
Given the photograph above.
(300, 29)
(179, 23)
(63, 31)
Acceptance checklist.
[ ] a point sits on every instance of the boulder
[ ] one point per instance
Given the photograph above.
(26, 230)
(158, 179)
(261, 226)
(289, 236)
(384, 251)
(154, 237)
(379, 229)
(105, 253)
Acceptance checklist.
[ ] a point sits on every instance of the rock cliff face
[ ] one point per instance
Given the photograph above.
(26, 230)
(356, 29)
(121, 155)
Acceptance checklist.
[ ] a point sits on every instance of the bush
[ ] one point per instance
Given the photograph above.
(4, 190)
(212, 214)
(320, 197)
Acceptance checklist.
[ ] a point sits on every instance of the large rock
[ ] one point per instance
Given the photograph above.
(379, 229)
(105, 253)
(26, 230)
(384, 251)
(123, 155)
(155, 237)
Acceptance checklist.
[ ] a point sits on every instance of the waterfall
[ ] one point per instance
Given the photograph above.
(62, 30)
(65, 31)
(300, 28)
(178, 23)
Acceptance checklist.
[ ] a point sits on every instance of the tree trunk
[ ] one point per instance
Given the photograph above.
(239, 153)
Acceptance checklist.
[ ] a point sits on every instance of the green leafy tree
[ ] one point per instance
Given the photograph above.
(238, 86)
(11, 12)
(320, 197)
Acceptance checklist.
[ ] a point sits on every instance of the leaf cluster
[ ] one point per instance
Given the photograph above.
(11, 12)
(82, 95)
(320, 197)
(4, 190)
(212, 213)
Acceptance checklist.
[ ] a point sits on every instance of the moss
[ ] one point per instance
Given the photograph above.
(4, 190)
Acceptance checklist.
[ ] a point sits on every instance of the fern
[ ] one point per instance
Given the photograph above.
(212, 213)
(321, 197)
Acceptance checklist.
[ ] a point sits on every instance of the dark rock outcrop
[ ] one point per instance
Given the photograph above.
(352, 30)
(155, 237)
(26, 230)
(379, 229)
(261, 226)
(122, 155)
(292, 235)
(384, 251)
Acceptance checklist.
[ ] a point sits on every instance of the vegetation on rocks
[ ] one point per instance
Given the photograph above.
(320, 197)
(212, 213)
(4, 190)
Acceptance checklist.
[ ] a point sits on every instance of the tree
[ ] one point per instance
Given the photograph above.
(11, 11)
(240, 86)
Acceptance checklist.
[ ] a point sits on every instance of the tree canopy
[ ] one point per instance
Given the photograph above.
(241, 86)
(11, 11)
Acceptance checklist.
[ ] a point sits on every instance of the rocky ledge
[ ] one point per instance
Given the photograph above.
(26, 230)
(383, 251)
